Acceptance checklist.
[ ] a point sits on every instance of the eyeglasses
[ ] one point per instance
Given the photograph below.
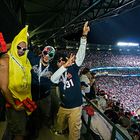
(46, 53)
(23, 49)
(61, 60)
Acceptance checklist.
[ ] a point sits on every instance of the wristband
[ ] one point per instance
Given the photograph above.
(84, 35)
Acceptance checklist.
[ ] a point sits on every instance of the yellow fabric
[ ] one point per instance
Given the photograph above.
(19, 79)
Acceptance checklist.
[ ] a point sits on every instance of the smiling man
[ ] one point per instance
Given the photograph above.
(21, 48)
(67, 78)
(19, 86)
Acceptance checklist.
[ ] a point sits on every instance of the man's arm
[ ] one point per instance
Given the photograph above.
(82, 49)
(4, 74)
(56, 76)
(79, 56)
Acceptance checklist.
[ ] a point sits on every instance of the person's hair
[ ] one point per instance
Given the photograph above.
(102, 93)
(84, 84)
(93, 74)
(57, 57)
(116, 108)
(125, 122)
(127, 114)
(85, 70)
(61, 55)
(117, 103)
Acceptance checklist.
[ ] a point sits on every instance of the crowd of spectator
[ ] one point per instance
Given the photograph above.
(103, 59)
(124, 89)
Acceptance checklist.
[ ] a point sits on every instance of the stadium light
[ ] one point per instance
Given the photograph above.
(127, 44)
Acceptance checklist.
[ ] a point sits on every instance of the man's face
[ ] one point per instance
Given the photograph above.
(61, 62)
(21, 48)
(45, 58)
(48, 54)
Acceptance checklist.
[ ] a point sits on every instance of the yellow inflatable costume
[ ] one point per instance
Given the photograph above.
(19, 69)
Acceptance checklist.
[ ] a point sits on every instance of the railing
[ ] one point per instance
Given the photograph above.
(116, 133)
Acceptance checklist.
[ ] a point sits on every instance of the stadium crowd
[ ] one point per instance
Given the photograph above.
(102, 59)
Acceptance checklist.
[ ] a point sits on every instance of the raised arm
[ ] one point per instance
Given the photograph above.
(82, 49)
(56, 76)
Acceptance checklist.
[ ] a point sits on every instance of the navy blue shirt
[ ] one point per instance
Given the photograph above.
(70, 92)
(69, 81)
(39, 89)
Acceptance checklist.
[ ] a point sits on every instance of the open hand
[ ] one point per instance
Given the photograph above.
(70, 61)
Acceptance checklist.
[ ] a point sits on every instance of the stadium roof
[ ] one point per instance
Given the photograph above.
(57, 21)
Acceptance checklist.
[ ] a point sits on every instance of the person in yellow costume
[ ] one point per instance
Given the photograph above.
(19, 84)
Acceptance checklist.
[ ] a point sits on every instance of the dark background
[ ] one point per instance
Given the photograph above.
(61, 21)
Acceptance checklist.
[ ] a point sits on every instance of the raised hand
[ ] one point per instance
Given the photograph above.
(86, 28)
(70, 61)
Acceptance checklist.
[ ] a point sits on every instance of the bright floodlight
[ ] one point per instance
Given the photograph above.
(127, 44)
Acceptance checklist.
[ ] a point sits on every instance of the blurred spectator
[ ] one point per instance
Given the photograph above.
(85, 77)
(123, 125)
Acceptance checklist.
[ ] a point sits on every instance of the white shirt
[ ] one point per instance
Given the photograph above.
(85, 79)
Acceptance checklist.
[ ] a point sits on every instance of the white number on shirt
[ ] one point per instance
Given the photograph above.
(69, 83)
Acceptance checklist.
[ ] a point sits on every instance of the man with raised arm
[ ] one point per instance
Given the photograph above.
(67, 78)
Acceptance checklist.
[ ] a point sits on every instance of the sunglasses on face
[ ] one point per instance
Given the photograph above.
(46, 53)
(61, 60)
(23, 49)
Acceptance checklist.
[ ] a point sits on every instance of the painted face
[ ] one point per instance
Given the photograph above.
(21, 48)
(48, 54)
